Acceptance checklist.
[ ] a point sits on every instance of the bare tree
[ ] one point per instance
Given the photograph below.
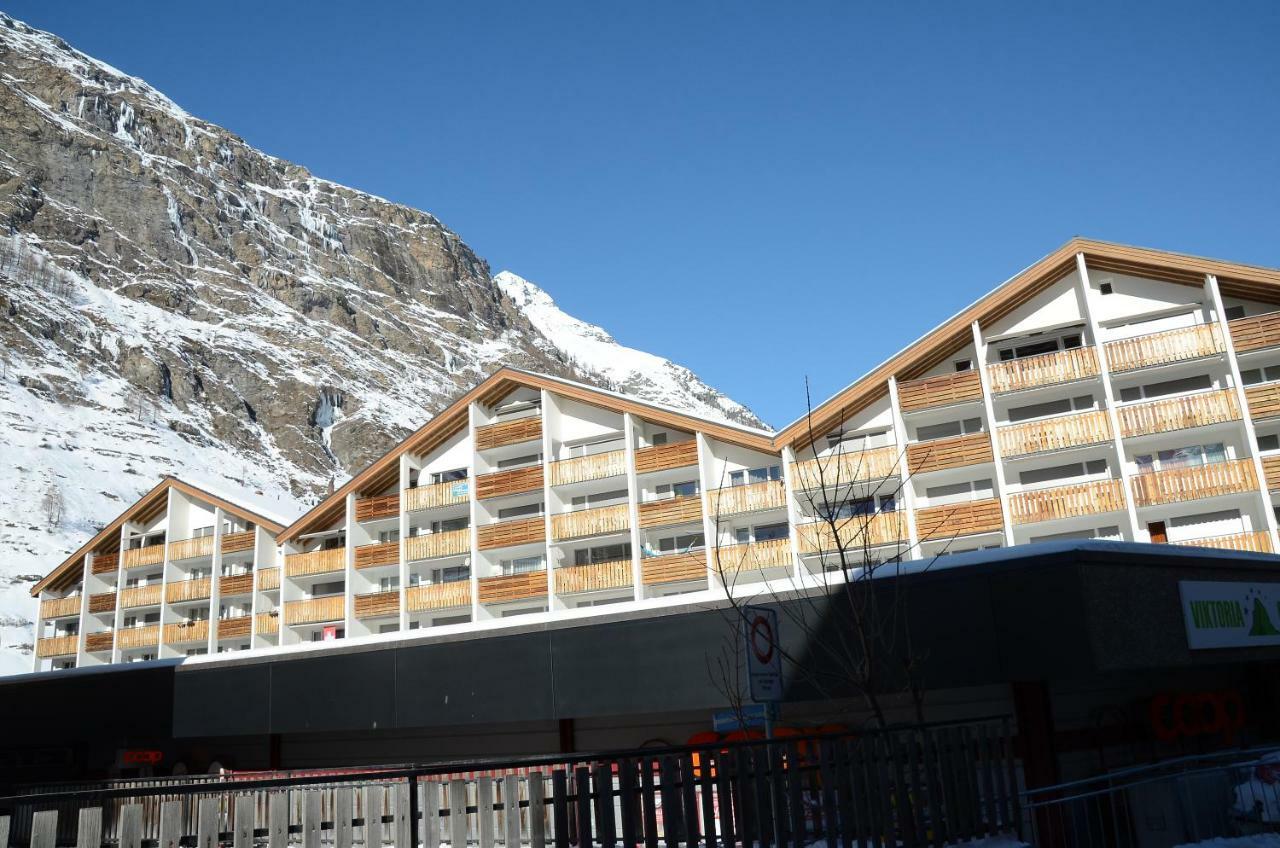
(52, 505)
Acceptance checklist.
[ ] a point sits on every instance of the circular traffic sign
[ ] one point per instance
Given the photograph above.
(762, 640)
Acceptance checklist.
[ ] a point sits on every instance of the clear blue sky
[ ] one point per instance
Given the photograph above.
(763, 192)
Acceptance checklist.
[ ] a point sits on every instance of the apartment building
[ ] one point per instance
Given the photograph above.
(1106, 392)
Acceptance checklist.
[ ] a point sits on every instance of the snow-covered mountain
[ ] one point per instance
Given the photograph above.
(175, 301)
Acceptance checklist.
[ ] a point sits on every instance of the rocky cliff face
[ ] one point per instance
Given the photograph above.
(171, 298)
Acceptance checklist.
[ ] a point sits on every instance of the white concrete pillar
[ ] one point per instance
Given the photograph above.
(215, 580)
(1002, 490)
(633, 504)
(402, 621)
(900, 441)
(473, 421)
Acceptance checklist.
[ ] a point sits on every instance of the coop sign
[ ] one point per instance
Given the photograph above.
(1230, 615)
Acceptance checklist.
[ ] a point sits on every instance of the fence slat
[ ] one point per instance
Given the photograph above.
(795, 796)
(4, 832)
(778, 779)
(310, 818)
(988, 780)
(430, 806)
(344, 812)
(170, 824)
(884, 797)
(88, 829)
(648, 804)
(744, 796)
(131, 826)
(560, 808)
(602, 780)
(582, 796)
(629, 803)
(242, 824)
(826, 771)
(278, 820)
(373, 816)
(672, 814)
(763, 804)
(706, 768)
(457, 813)
(511, 811)
(207, 822)
(44, 829)
(537, 810)
(938, 814)
(689, 798)
(1015, 813)
(915, 788)
(484, 811)
(401, 825)
(724, 798)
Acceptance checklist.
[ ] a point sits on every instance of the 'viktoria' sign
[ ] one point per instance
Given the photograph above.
(1230, 615)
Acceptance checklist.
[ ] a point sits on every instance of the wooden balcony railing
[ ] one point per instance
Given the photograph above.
(512, 587)
(138, 637)
(752, 556)
(1195, 482)
(186, 632)
(674, 568)
(377, 604)
(1076, 499)
(753, 497)
(315, 610)
(509, 432)
(615, 574)
(383, 553)
(947, 389)
(141, 596)
(513, 482)
(234, 543)
(853, 534)
(1271, 470)
(1164, 347)
(382, 506)
(234, 628)
(433, 545)
(1051, 434)
(268, 578)
(199, 546)
(1180, 413)
(670, 511)
(504, 534)
(953, 452)
(150, 555)
(237, 584)
(58, 646)
(1258, 541)
(176, 591)
(435, 495)
(438, 596)
(937, 523)
(1047, 369)
(665, 457)
(315, 562)
(594, 467)
(1255, 332)
(267, 624)
(96, 643)
(102, 602)
(61, 607)
(105, 563)
(1263, 401)
(837, 470)
(591, 522)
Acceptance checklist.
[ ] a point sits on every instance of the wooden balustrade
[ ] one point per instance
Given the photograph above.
(234, 543)
(236, 584)
(504, 534)
(853, 534)
(1271, 471)
(1076, 499)
(512, 587)
(752, 556)
(150, 555)
(176, 591)
(1263, 401)
(1046, 369)
(141, 596)
(185, 632)
(436, 495)
(237, 627)
(382, 506)
(1164, 347)
(1180, 413)
(383, 553)
(1258, 541)
(105, 563)
(674, 568)
(1052, 434)
(199, 546)
(591, 522)
(942, 522)
(268, 578)
(614, 574)
(666, 457)
(1194, 482)
(944, 390)
(96, 643)
(377, 604)
(102, 602)
(513, 482)
(953, 452)
(594, 467)
(668, 511)
(433, 545)
(138, 637)
(315, 562)
(315, 610)
(438, 596)
(840, 469)
(267, 624)
(753, 497)
(58, 646)
(60, 607)
(509, 432)
(1255, 332)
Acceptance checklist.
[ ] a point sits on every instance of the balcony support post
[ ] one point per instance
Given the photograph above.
(117, 620)
(402, 620)
(633, 504)
(349, 567)
(900, 441)
(710, 528)
(793, 513)
(548, 446)
(1002, 490)
(473, 421)
(82, 653)
(167, 615)
(215, 581)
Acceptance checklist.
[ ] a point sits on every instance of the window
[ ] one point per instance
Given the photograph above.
(450, 476)
(1187, 457)
(1106, 288)
(441, 621)
(388, 628)
(688, 488)
(847, 441)
(520, 461)
(865, 506)
(1112, 532)
(658, 439)
(755, 475)
(333, 587)
(681, 544)
(1167, 387)
(195, 652)
(327, 633)
(1071, 341)
(964, 364)
(1234, 312)
(595, 447)
(1049, 408)
(452, 574)
(600, 602)
(1269, 442)
(527, 611)
(599, 499)
(1265, 374)
(1028, 349)
(334, 542)
(202, 532)
(930, 432)
(602, 553)
(388, 584)
(1091, 468)
(385, 536)
(523, 565)
(768, 532)
(971, 490)
(520, 511)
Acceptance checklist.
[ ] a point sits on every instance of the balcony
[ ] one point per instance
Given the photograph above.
(267, 624)
(1054, 434)
(435, 545)
(105, 563)
(1271, 470)
(199, 546)
(238, 584)
(591, 522)
(1046, 369)
(58, 646)
(383, 553)
(509, 432)
(102, 602)
(752, 556)
(233, 543)
(383, 506)
(1255, 332)
(953, 452)
(141, 596)
(852, 534)
(186, 632)
(666, 457)
(438, 596)
(315, 562)
(753, 497)
(841, 469)
(150, 555)
(513, 587)
(177, 591)
(234, 628)
(377, 604)
(1180, 413)
(960, 519)
(1263, 401)
(315, 610)
(669, 511)
(268, 579)
(61, 607)
(946, 390)
(1072, 501)
(513, 482)
(100, 642)
(138, 637)
(594, 467)
(674, 568)
(1258, 541)
(1164, 348)
(1199, 481)
(505, 534)
(571, 579)
(436, 495)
